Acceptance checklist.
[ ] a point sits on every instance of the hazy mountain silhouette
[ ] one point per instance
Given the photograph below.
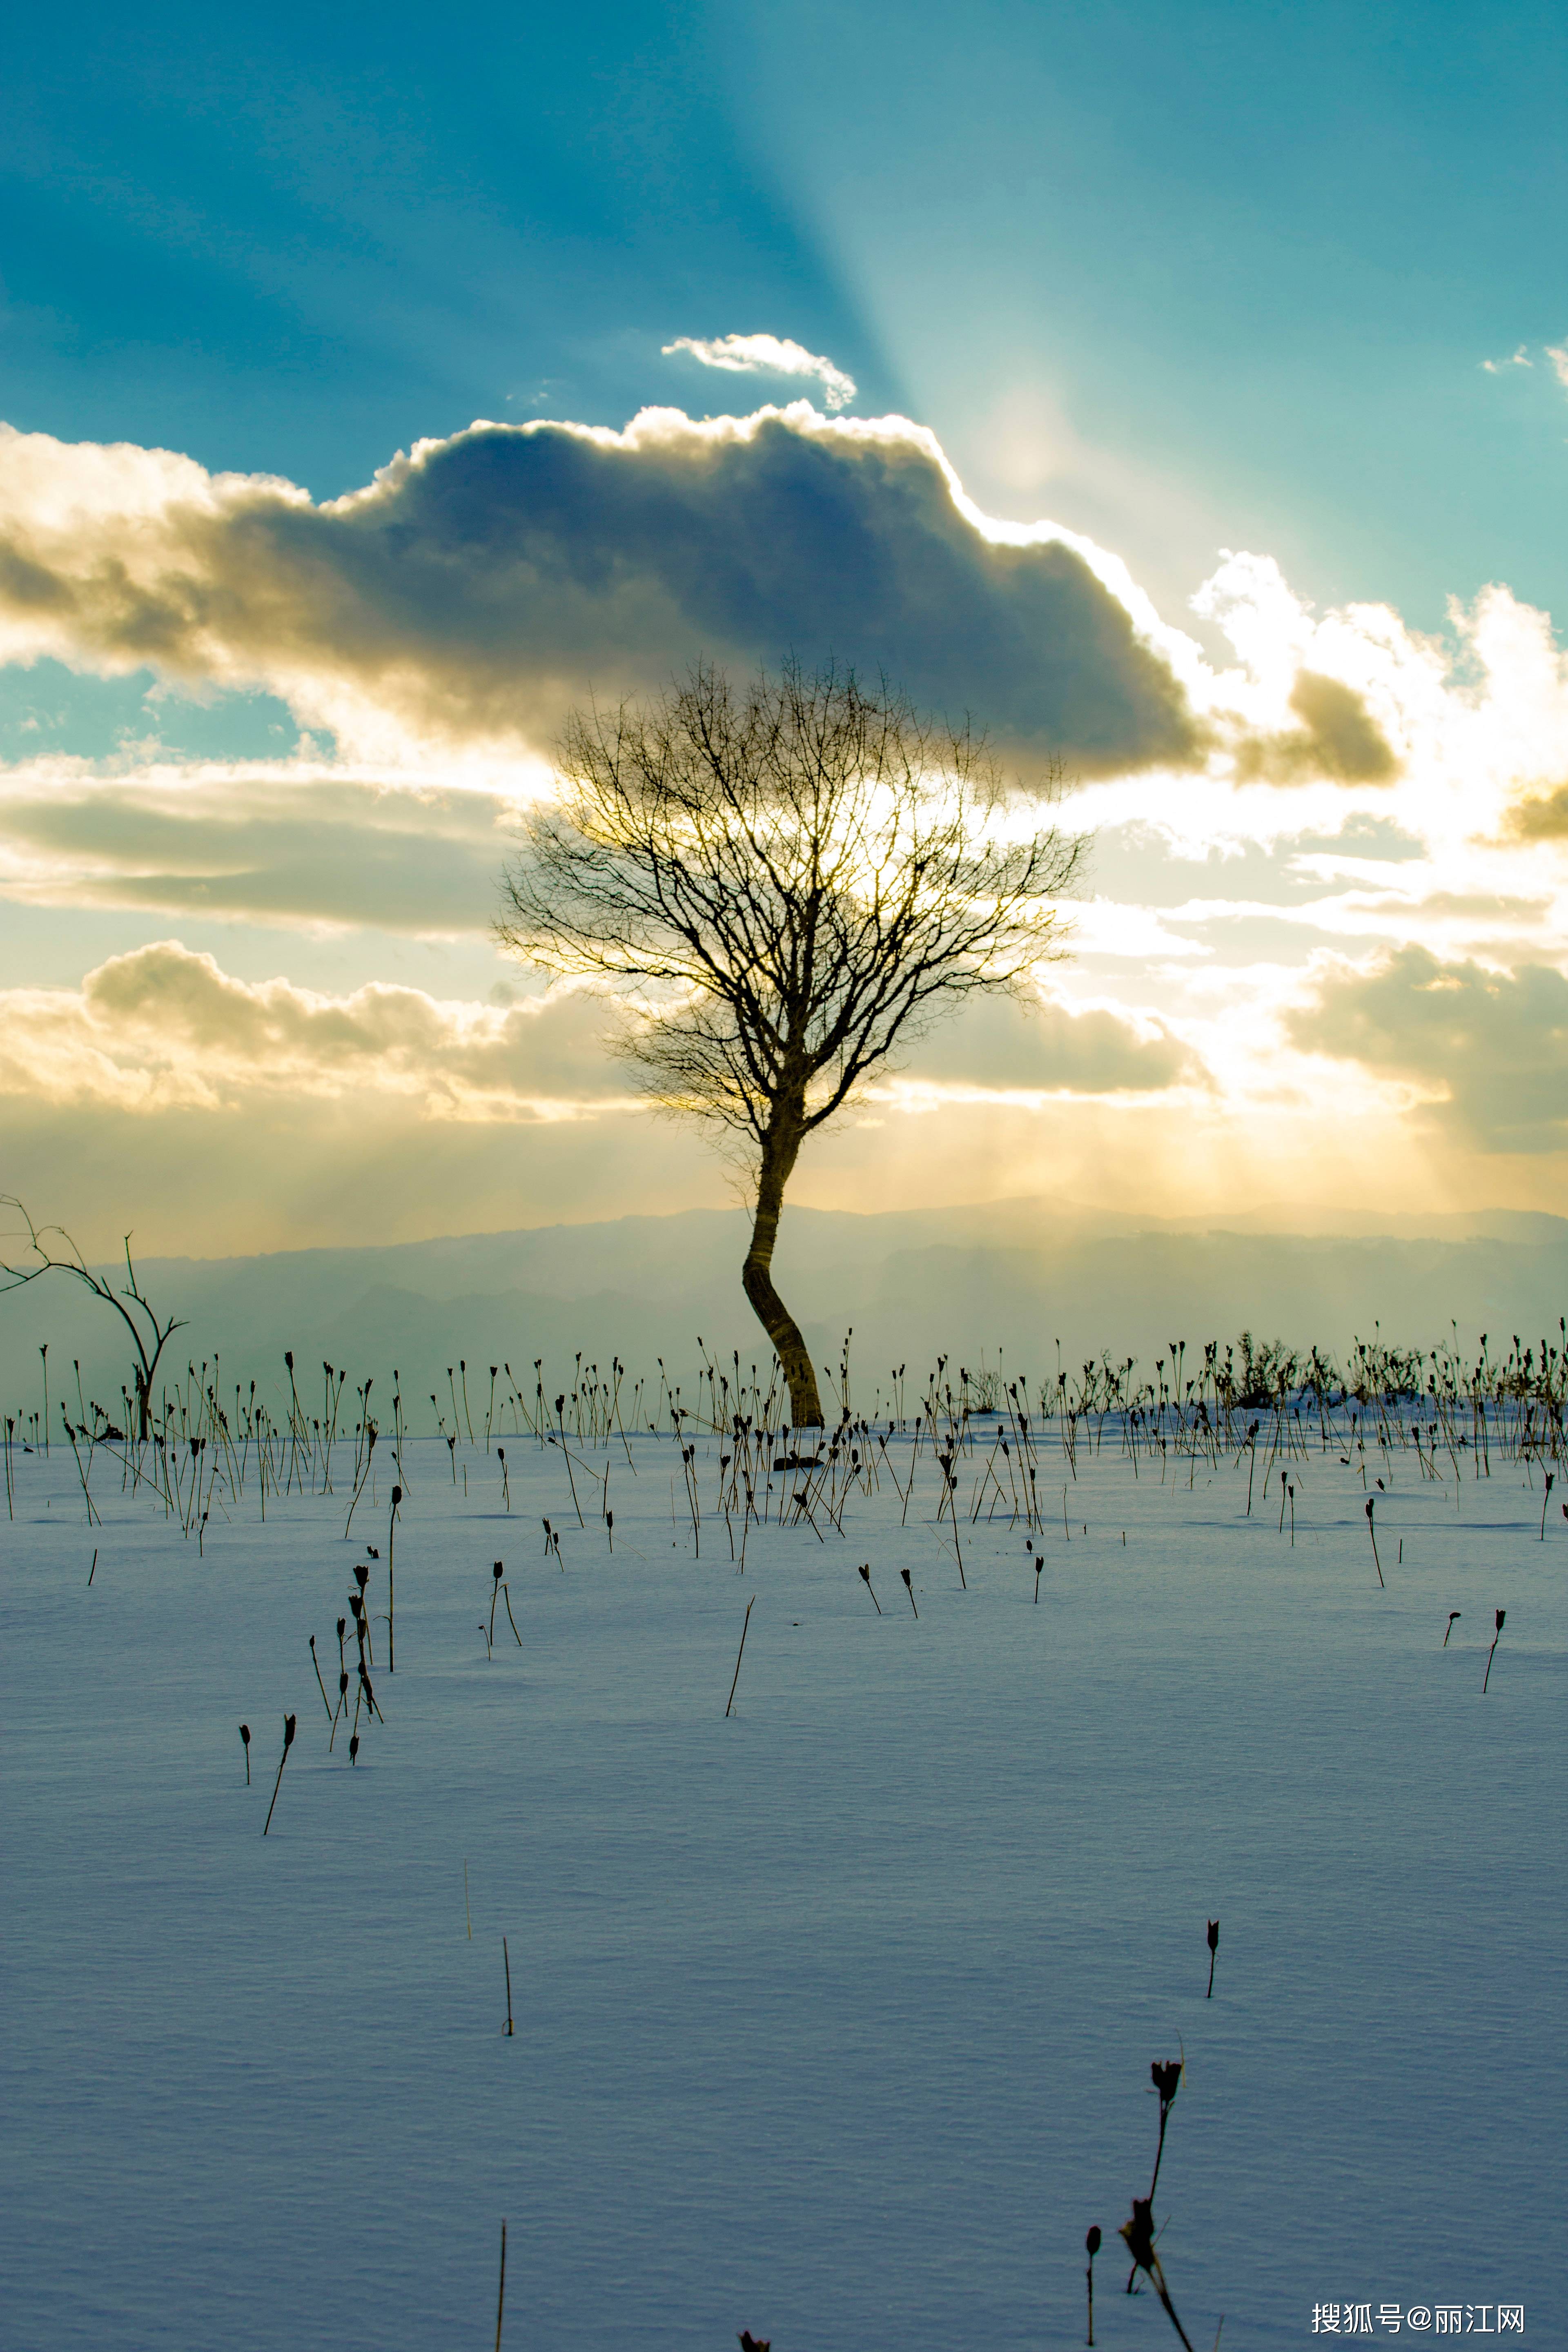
(1013, 1277)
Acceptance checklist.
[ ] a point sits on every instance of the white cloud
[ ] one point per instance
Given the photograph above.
(1519, 358)
(161, 1029)
(1050, 1047)
(1487, 1050)
(1472, 720)
(1558, 354)
(767, 355)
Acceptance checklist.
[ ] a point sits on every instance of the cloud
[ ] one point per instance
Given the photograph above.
(1540, 815)
(1360, 837)
(482, 585)
(212, 1115)
(1350, 782)
(1448, 732)
(1345, 739)
(1440, 906)
(1558, 354)
(998, 1046)
(163, 1029)
(767, 355)
(1339, 740)
(1486, 1051)
(1521, 358)
(295, 844)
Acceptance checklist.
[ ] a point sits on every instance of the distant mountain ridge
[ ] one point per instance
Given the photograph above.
(1014, 1278)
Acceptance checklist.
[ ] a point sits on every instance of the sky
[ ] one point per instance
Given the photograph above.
(1179, 392)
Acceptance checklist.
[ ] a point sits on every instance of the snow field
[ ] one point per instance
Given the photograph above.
(834, 2018)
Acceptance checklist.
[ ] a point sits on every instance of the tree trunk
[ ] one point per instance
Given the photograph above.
(756, 1277)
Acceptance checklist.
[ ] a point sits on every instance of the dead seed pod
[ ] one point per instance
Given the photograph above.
(1138, 2234)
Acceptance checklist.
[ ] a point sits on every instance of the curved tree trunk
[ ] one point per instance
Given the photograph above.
(756, 1276)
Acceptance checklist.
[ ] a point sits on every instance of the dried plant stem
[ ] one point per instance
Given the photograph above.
(1160, 2148)
(740, 1653)
(391, 1598)
(288, 1743)
(1091, 2247)
(1140, 2235)
(501, 2294)
(320, 1683)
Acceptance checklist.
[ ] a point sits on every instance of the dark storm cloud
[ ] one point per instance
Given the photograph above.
(482, 585)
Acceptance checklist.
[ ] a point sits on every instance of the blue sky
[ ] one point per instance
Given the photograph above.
(1153, 282)
(1257, 253)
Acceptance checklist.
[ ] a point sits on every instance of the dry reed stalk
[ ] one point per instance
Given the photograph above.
(1139, 2232)
(288, 1743)
(1091, 2246)
(501, 2292)
(321, 1685)
(391, 1598)
(740, 1653)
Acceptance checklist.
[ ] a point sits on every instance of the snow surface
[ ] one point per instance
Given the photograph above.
(834, 2018)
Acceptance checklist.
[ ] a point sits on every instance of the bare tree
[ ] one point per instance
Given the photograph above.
(786, 885)
(148, 1333)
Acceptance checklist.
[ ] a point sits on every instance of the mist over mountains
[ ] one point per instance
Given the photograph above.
(1008, 1279)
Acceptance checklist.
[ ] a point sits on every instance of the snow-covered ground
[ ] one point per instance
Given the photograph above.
(835, 2018)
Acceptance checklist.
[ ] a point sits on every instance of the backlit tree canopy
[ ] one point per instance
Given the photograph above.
(789, 884)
